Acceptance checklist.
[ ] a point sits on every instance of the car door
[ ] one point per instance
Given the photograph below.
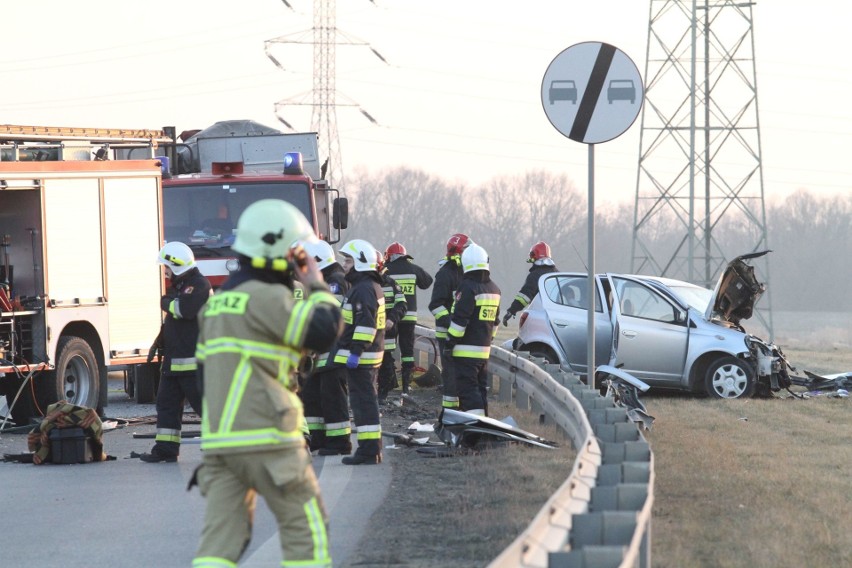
(564, 298)
(651, 332)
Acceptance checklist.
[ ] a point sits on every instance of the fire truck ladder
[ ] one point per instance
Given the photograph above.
(16, 137)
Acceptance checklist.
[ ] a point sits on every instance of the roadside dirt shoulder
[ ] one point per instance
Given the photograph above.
(457, 511)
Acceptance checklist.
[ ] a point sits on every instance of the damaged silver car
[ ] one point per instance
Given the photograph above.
(668, 333)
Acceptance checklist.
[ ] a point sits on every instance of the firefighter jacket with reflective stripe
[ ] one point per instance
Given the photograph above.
(409, 276)
(364, 321)
(335, 277)
(530, 288)
(475, 316)
(251, 338)
(182, 304)
(446, 282)
(395, 309)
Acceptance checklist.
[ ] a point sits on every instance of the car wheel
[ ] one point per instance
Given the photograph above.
(729, 377)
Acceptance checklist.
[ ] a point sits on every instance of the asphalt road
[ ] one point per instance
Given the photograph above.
(132, 514)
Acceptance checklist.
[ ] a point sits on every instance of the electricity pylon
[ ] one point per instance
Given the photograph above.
(323, 97)
(700, 166)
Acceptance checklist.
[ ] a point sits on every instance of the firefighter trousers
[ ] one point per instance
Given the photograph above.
(326, 401)
(172, 394)
(286, 480)
(365, 410)
(448, 390)
(472, 383)
(405, 340)
(387, 374)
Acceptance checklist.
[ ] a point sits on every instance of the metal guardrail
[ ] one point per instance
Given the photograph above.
(601, 515)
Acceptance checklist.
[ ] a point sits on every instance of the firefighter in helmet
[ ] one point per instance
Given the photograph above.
(409, 276)
(395, 309)
(473, 325)
(326, 391)
(361, 346)
(187, 293)
(446, 282)
(252, 336)
(542, 263)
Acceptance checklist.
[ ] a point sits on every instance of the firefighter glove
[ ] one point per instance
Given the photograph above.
(448, 348)
(507, 317)
(352, 361)
(152, 352)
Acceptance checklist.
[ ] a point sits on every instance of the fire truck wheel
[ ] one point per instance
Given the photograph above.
(76, 377)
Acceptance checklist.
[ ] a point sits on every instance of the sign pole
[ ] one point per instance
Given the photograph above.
(590, 347)
(591, 93)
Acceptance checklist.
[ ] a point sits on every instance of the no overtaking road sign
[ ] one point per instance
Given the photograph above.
(592, 92)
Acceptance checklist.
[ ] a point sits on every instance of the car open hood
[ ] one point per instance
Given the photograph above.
(736, 292)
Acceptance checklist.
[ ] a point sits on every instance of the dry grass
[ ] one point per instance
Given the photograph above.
(751, 483)
(463, 511)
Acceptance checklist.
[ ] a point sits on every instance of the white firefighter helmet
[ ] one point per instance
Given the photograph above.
(363, 253)
(321, 251)
(267, 229)
(474, 257)
(177, 256)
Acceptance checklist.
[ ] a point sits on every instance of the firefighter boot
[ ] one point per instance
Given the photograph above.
(360, 459)
(162, 452)
(406, 377)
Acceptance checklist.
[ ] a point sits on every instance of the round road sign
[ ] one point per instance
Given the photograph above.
(592, 92)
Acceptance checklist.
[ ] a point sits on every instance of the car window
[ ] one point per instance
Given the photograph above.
(569, 291)
(694, 296)
(639, 301)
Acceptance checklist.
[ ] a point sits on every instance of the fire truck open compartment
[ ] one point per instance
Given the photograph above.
(80, 241)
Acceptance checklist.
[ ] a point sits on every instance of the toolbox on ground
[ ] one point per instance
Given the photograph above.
(70, 445)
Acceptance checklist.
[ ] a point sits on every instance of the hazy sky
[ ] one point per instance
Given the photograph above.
(459, 94)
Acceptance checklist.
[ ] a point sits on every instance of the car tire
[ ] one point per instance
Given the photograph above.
(729, 377)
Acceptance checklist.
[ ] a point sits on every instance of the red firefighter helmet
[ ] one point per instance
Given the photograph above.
(539, 250)
(457, 243)
(395, 248)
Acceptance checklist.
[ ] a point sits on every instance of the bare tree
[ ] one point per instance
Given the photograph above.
(409, 206)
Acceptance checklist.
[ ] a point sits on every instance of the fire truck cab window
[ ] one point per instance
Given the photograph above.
(204, 217)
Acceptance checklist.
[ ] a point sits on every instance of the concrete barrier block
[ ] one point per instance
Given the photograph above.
(628, 472)
(598, 401)
(552, 368)
(621, 432)
(618, 452)
(621, 497)
(612, 415)
(607, 528)
(588, 557)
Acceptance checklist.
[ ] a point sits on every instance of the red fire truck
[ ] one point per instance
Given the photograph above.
(79, 286)
(83, 212)
(217, 172)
